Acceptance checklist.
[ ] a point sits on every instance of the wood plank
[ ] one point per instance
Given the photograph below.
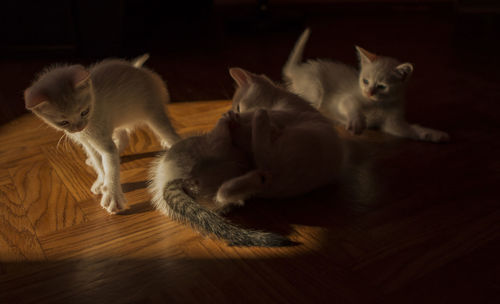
(203, 118)
(139, 235)
(18, 156)
(18, 240)
(143, 140)
(20, 140)
(69, 164)
(48, 203)
(5, 177)
(447, 238)
(476, 273)
(366, 239)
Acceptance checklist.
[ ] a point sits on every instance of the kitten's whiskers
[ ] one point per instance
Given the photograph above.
(59, 141)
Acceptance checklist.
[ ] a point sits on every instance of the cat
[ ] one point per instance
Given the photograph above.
(97, 108)
(370, 98)
(276, 146)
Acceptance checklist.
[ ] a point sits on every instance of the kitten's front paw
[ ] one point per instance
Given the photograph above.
(434, 136)
(225, 209)
(232, 118)
(356, 125)
(224, 202)
(97, 187)
(113, 203)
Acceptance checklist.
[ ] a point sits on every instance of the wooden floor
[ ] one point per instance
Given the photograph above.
(414, 223)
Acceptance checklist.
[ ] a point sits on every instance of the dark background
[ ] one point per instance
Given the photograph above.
(193, 43)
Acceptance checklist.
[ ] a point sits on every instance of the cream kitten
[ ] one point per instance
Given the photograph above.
(278, 146)
(370, 98)
(97, 107)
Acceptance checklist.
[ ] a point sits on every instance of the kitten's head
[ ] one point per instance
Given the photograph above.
(253, 91)
(63, 97)
(382, 78)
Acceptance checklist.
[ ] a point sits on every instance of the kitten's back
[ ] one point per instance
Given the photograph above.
(320, 80)
(121, 77)
(128, 95)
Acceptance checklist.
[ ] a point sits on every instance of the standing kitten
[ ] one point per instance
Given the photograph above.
(370, 98)
(265, 153)
(97, 108)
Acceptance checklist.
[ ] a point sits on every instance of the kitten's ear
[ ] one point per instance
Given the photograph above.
(404, 71)
(241, 76)
(80, 76)
(365, 56)
(33, 99)
(266, 78)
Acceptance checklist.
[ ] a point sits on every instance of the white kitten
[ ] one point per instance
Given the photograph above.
(97, 108)
(370, 98)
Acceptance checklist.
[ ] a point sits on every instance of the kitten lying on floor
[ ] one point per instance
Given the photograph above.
(370, 98)
(278, 146)
(97, 108)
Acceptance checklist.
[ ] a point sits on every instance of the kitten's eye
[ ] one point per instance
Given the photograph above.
(63, 123)
(84, 113)
(365, 81)
(381, 87)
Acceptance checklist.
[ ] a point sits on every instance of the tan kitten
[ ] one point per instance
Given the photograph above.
(97, 107)
(370, 98)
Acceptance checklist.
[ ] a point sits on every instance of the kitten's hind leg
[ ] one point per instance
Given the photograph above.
(161, 125)
(428, 134)
(399, 127)
(121, 139)
(235, 191)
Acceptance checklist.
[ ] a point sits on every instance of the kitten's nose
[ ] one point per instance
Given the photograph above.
(80, 126)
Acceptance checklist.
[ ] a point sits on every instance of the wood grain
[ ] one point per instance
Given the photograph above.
(18, 240)
(69, 165)
(391, 231)
(5, 177)
(48, 203)
(20, 140)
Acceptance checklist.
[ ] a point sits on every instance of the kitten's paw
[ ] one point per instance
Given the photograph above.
(113, 203)
(232, 118)
(97, 187)
(356, 125)
(434, 136)
(89, 162)
(224, 200)
(165, 144)
(225, 209)
(224, 204)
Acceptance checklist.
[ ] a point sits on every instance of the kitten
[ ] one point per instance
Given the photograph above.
(97, 107)
(370, 98)
(277, 146)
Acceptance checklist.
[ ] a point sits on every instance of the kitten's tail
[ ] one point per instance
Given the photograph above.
(181, 207)
(139, 61)
(296, 55)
